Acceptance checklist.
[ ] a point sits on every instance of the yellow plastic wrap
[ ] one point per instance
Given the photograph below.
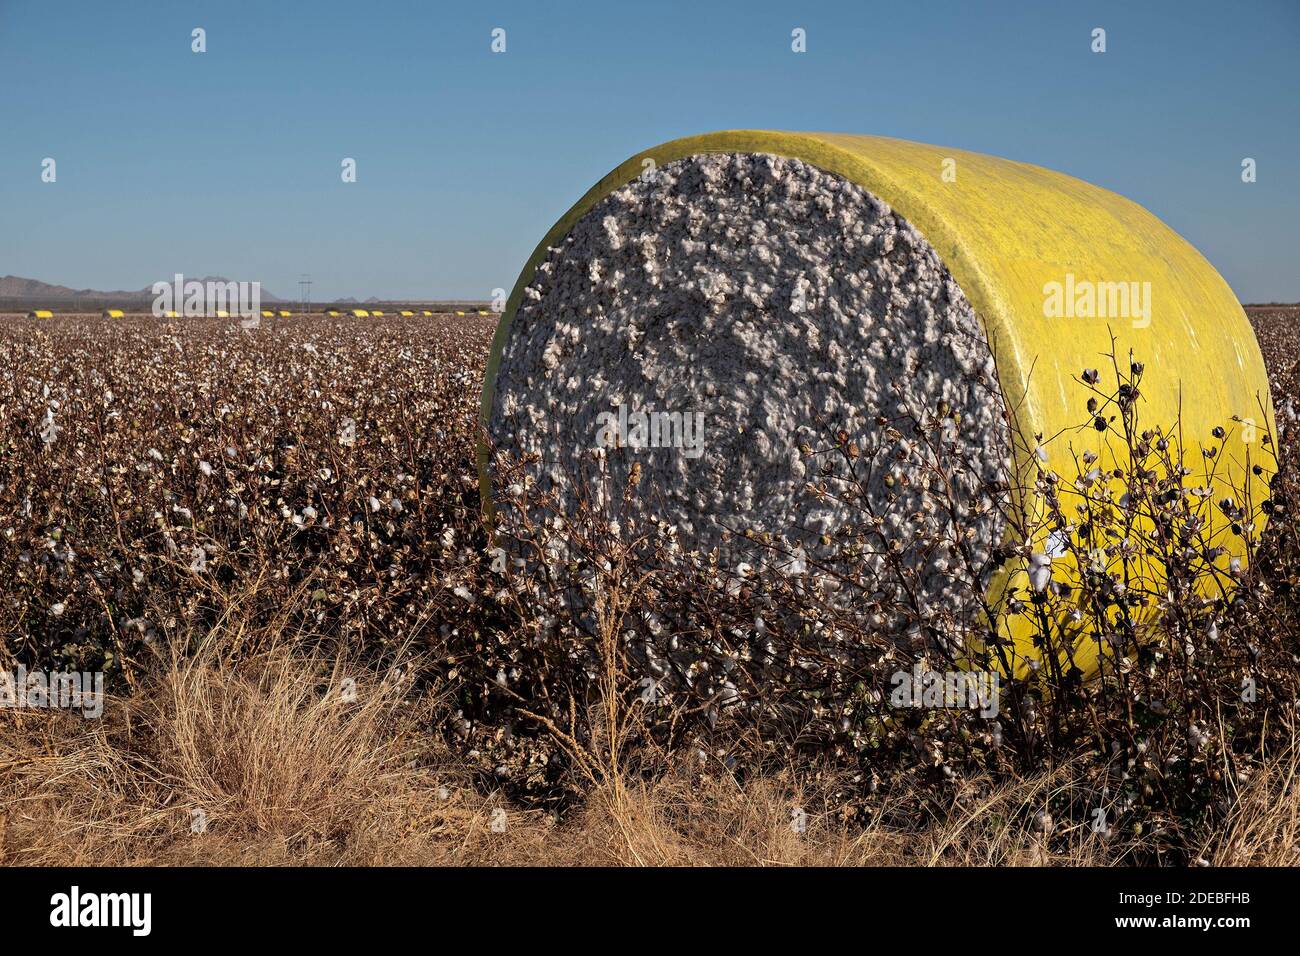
(1007, 231)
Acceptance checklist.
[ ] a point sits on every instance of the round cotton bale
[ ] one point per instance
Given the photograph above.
(40, 314)
(113, 314)
(763, 283)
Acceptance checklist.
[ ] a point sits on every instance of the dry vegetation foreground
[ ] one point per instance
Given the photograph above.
(269, 541)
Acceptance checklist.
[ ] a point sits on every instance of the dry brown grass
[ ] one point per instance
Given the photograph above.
(1263, 828)
(289, 772)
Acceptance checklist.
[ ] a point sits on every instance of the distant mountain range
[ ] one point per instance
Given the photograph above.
(18, 287)
(20, 294)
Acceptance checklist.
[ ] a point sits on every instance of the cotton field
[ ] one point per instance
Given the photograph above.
(268, 543)
(148, 465)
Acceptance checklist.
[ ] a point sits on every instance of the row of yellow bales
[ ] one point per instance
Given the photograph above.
(366, 313)
(266, 313)
(118, 313)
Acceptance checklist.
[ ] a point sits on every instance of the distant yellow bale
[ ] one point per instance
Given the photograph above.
(376, 312)
(285, 313)
(222, 314)
(268, 314)
(459, 312)
(484, 312)
(407, 312)
(426, 312)
(331, 311)
(360, 313)
(113, 313)
(40, 314)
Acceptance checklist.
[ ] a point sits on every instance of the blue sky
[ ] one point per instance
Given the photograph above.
(228, 162)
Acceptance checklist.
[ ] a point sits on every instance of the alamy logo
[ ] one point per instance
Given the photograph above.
(956, 690)
(75, 908)
(211, 298)
(49, 690)
(1085, 299)
(642, 429)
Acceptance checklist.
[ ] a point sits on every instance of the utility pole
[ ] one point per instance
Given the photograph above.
(304, 288)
